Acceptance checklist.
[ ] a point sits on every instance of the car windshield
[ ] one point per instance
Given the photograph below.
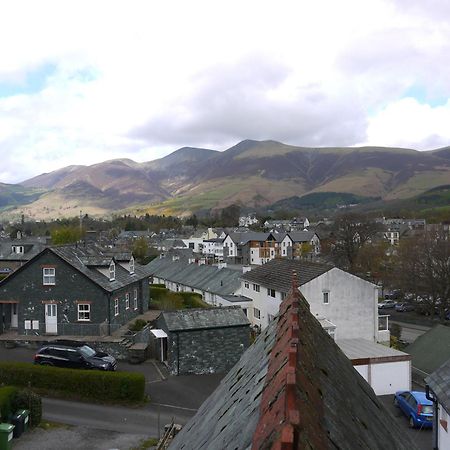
(87, 351)
(427, 409)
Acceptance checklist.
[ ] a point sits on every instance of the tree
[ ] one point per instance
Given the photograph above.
(140, 250)
(66, 235)
(229, 216)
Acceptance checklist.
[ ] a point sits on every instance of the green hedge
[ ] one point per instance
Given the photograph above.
(27, 399)
(92, 384)
(162, 298)
(7, 395)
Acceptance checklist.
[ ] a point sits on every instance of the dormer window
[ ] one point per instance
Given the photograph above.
(131, 265)
(112, 271)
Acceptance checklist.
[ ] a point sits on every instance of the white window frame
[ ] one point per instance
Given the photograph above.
(257, 313)
(256, 287)
(112, 271)
(135, 298)
(271, 292)
(83, 312)
(116, 307)
(326, 297)
(131, 265)
(246, 285)
(127, 300)
(48, 276)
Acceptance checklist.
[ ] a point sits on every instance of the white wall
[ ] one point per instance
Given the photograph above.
(352, 304)
(443, 436)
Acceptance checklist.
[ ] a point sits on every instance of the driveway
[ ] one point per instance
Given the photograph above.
(422, 437)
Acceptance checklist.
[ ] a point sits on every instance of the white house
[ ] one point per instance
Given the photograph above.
(439, 385)
(346, 307)
(213, 247)
(292, 245)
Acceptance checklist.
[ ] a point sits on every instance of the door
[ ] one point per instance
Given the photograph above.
(14, 320)
(51, 320)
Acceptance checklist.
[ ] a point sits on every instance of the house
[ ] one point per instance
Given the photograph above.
(247, 221)
(439, 385)
(429, 351)
(298, 243)
(73, 290)
(213, 248)
(251, 247)
(14, 253)
(292, 389)
(295, 224)
(218, 285)
(203, 340)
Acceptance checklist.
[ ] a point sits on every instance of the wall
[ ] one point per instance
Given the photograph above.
(206, 351)
(387, 377)
(443, 436)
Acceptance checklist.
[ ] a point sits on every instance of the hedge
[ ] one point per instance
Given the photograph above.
(92, 384)
(7, 395)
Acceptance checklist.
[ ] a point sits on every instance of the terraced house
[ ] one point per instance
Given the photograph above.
(73, 290)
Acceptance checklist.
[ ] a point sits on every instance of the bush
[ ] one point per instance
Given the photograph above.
(7, 395)
(193, 300)
(137, 325)
(162, 298)
(27, 399)
(92, 384)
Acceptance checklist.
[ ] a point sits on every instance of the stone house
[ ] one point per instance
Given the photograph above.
(201, 341)
(73, 290)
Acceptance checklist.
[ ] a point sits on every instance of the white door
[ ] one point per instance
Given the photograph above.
(14, 321)
(51, 319)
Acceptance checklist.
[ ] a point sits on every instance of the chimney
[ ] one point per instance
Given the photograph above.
(246, 269)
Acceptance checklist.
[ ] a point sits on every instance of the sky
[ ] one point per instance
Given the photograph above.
(82, 82)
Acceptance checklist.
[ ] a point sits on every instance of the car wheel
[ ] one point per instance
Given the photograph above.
(46, 363)
(395, 402)
(411, 422)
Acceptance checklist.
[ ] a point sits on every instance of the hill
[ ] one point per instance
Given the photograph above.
(253, 174)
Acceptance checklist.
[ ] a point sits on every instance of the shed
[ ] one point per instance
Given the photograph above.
(202, 341)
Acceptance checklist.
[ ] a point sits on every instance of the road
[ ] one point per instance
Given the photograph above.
(410, 332)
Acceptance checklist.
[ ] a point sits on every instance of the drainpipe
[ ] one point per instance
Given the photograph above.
(109, 314)
(429, 394)
(178, 353)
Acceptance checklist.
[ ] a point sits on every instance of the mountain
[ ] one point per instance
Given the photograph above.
(12, 195)
(252, 173)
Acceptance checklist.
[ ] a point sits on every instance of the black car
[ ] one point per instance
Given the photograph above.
(74, 355)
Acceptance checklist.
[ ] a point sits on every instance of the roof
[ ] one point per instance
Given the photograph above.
(202, 318)
(223, 281)
(301, 236)
(276, 274)
(243, 238)
(236, 298)
(362, 349)
(292, 389)
(439, 382)
(32, 247)
(430, 350)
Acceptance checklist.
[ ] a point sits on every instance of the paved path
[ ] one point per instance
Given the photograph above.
(410, 332)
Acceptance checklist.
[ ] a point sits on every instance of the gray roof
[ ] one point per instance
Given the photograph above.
(430, 350)
(32, 247)
(78, 256)
(207, 278)
(439, 382)
(301, 236)
(362, 348)
(236, 298)
(192, 319)
(330, 405)
(277, 273)
(243, 238)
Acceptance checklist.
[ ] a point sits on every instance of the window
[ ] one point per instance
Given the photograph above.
(271, 292)
(131, 265)
(283, 295)
(112, 271)
(246, 285)
(116, 306)
(270, 317)
(48, 276)
(127, 301)
(256, 313)
(256, 287)
(326, 298)
(135, 299)
(84, 312)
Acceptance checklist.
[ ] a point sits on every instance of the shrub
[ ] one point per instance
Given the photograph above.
(92, 384)
(193, 300)
(7, 395)
(137, 325)
(27, 399)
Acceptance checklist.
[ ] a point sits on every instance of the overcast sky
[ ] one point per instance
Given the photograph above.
(86, 81)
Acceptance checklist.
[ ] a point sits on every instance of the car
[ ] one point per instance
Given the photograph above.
(74, 355)
(416, 407)
(403, 307)
(386, 304)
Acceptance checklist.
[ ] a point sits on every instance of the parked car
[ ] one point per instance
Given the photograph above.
(403, 307)
(416, 407)
(74, 355)
(386, 304)
(396, 294)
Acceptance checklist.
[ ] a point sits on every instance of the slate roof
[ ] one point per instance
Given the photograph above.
(430, 350)
(236, 298)
(276, 274)
(32, 247)
(78, 257)
(203, 318)
(301, 236)
(293, 389)
(207, 278)
(439, 382)
(243, 238)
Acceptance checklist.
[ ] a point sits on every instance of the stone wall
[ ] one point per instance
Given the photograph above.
(207, 351)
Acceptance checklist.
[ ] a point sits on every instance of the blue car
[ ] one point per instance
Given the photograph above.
(417, 408)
